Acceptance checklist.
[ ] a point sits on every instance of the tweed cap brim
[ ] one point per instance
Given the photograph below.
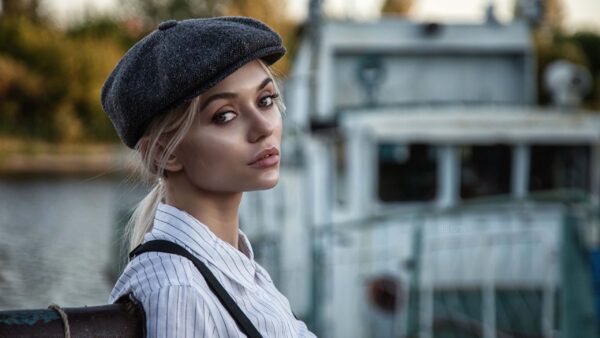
(179, 61)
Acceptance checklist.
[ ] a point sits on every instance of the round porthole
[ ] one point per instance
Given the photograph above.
(385, 293)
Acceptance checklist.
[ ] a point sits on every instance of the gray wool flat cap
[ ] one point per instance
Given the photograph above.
(179, 61)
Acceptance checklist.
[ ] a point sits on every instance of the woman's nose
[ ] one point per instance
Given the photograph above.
(262, 124)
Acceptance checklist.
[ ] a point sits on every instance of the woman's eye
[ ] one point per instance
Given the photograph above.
(224, 117)
(267, 101)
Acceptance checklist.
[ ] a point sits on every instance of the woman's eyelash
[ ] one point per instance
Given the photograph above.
(272, 97)
(219, 117)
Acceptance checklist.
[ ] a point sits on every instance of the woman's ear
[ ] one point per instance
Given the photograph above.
(172, 163)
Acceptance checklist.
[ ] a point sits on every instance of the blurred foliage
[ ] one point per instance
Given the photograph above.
(50, 80)
(28, 8)
(125, 33)
(586, 45)
(398, 7)
(152, 12)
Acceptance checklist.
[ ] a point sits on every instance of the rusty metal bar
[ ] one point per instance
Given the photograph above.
(115, 320)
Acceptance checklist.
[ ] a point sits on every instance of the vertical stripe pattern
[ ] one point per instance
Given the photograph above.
(176, 298)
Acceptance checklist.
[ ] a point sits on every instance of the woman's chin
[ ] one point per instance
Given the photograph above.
(265, 184)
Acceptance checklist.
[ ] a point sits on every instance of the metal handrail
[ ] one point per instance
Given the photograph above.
(115, 320)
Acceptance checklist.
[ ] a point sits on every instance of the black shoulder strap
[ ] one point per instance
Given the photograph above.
(169, 247)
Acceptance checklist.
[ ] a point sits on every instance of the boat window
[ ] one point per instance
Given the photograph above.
(559, 167)
(485, 170)
(407, 173)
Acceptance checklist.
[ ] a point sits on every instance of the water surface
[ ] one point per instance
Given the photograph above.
(59, 239)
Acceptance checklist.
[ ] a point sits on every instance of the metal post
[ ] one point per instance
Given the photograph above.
(448, 176)
(426, 290)
(520, 170)
(489, 286)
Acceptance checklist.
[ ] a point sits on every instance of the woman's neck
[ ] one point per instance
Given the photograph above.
(218, 211)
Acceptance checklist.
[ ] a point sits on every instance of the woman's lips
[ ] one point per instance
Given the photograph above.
(265, 158)
(266, 162)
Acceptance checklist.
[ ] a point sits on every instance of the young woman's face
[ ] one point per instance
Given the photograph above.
(233, 144)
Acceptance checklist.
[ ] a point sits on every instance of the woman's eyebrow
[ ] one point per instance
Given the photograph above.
(228, 95)
(216, 97)
(264, 83)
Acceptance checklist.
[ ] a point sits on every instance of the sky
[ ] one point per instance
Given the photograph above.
(580, 14)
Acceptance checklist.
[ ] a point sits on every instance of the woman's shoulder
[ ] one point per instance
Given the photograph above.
(153, 271)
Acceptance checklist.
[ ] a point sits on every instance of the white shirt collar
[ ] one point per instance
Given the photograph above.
(173, 224)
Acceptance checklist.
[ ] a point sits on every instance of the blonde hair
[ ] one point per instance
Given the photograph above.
(152, 155)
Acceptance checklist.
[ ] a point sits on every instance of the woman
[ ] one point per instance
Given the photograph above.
(198, 102)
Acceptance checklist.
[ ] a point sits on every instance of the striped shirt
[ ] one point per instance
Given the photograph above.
(176, 297)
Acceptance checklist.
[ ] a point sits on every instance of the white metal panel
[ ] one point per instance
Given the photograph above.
(433, 78)
(357, 256)
(465, 252)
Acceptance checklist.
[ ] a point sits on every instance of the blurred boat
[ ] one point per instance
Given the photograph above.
(424, 193)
